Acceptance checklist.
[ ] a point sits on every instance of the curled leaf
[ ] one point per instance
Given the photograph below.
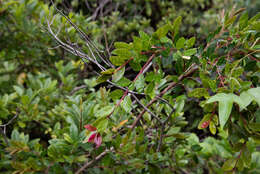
(95, 138)
(98, 140)
(92, 137)
(90, 127)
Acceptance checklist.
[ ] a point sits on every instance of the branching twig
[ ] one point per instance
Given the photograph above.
(188, 72)
(148, 110)
(88, 42)
(88, 164)
(162, 130)
(3, 130)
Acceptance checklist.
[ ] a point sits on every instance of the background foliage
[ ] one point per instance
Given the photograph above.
(48, 94)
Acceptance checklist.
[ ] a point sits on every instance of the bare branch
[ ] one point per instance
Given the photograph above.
(148, 110)
(91, 46)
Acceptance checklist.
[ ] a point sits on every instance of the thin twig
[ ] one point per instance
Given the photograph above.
(88, 43)
(162, 130)
(10, 121)
(188, 72)
(3, 130)
(148, 110)
(88, 164)
(77, 89)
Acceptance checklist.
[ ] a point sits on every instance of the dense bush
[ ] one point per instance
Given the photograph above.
(164, 102)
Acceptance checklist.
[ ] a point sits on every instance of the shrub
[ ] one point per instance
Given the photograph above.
(161, 103)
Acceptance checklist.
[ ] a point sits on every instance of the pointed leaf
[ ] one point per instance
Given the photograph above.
(224, 111)
(121, 45)
(225, 106)
(229, 164)
(190, 52)
(162, 31)
(255, 92)
(180, 43)
(176, 25)
(118, 74)
(246, 99)
(212, 128)
(190, 42)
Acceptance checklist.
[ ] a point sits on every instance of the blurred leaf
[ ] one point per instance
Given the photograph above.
(180, 43)
(229, 164)
(118, 74)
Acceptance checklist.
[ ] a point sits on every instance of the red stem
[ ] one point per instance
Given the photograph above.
(145, 65)
(124, 64)
(120, 101)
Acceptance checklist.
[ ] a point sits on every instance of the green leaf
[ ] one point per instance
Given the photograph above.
(127, 104)
(246, 99)
(190, 42)
(116, 94)
(105, 111)
(162, 31)
(190, 52)
(123, 82)
(73, 131)
(256, 17)
(139, 83)
(254, 126)
(118, 74)
(176, 26)
(108, 71)
(149, 90)
(230, 21)
(224, 108)
(229, 164)
(180, 43)
(121, 45)
(103, 78)
(138, 43)
(101, 124)
(18, 90)
(255, 92)
(240, 164)
(237, 72)
(180, 102)
(122, 52)
(246, 156)
(196, 148)
(198, 93)
(212, 128)
(178, 135)
(243, 21)
(117, 60)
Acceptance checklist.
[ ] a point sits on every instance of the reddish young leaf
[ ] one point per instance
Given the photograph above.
(98, 140)
(92, 138)
(205, 124)
(90, 127)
